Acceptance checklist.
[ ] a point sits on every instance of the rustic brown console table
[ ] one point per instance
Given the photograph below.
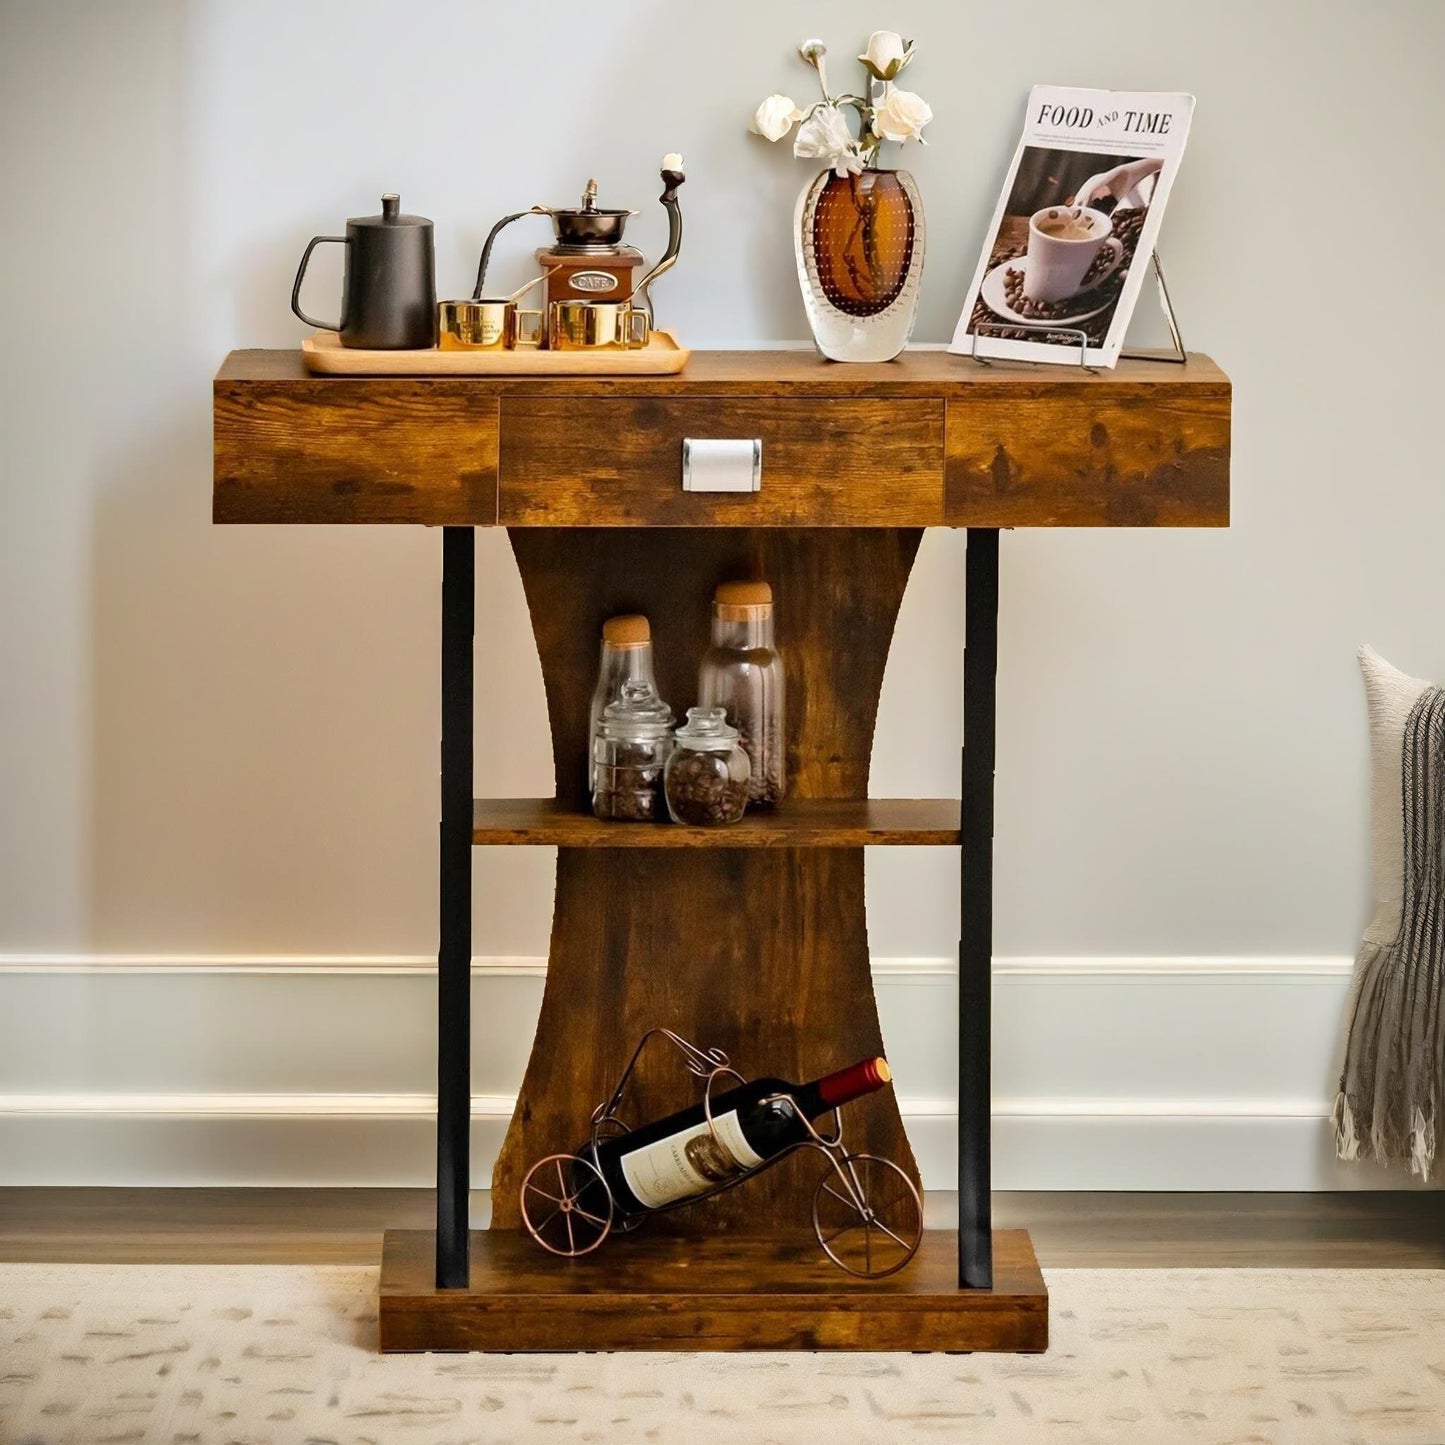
(751, 938)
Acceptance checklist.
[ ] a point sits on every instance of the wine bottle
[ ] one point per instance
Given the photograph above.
(680, 1157)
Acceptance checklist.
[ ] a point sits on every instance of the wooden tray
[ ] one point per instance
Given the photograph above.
(324, 353)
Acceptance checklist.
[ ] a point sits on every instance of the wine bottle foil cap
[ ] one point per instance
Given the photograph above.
(856, 1080)
(627, 631)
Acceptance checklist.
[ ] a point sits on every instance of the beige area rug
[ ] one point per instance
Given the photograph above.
(100, 1355)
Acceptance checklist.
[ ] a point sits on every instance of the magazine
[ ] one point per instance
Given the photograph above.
(1075, 227)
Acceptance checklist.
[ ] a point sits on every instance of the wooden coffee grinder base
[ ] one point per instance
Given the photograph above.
(606, 275)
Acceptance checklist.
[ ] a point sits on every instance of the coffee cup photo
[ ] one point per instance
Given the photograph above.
(1058, 259)
(1064, 242)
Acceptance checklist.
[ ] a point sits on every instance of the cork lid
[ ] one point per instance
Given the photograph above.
(741, 601)
(743, 594)
(627, 631)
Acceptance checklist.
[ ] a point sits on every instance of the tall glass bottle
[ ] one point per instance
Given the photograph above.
(742, 673)
(626, 658)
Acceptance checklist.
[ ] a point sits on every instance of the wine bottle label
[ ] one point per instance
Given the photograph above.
(689, 1162)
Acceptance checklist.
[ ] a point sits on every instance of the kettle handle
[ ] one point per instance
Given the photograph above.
(301, 275)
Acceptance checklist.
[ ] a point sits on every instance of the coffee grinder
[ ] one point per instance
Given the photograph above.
(589, 260)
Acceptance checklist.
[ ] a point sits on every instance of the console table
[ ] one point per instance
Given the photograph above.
(751, 938)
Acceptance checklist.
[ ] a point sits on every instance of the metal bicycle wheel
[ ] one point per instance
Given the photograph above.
(566, 1205)
(867, 1216)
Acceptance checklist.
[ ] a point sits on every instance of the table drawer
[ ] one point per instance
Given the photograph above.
(617, 461)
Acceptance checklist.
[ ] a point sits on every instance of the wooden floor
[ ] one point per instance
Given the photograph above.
(344, 1226)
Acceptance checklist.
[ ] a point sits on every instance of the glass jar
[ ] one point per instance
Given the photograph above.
(742, 673)
(707, 774)
(630, 750)
(626, 658)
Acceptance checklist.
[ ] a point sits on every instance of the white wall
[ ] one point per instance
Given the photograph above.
(218, 744)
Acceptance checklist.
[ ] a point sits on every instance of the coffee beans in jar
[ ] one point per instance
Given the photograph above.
(626, 660)
(629, 755)
(706, 778)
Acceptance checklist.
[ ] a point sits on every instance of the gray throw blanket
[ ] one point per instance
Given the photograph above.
(1394, 1075)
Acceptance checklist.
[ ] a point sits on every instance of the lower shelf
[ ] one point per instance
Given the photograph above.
(721, 1293)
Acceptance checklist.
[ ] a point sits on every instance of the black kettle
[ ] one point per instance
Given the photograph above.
(388, 294)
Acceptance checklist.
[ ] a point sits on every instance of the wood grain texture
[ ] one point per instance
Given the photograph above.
(1144, 445)
(1045, 459)
(836, 595)
(378, 451)
(740, 1293)
(798, 823)
(617, 462)
(760, 952)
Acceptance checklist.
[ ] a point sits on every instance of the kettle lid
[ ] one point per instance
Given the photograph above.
(391, 215)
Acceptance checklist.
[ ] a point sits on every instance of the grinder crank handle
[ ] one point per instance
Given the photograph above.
(672, 178)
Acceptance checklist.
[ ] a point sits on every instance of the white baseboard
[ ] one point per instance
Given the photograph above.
(403, 964)
(387, 1141)
(1110, 1073)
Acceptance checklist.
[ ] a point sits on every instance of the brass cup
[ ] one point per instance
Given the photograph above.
(596, 325)
(487, 325)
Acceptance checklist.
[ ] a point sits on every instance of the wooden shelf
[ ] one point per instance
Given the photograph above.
(707, 1292)
(800, 823)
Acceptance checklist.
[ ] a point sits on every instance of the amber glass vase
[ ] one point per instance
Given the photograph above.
(860, 260)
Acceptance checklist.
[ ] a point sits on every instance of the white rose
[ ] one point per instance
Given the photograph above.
(901, 115)
(887, 54)
(825, 136)
(775, 116)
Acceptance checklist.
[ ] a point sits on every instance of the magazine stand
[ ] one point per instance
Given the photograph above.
(1177, 356)
(752, 937)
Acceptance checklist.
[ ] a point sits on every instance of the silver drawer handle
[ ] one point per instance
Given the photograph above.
(710, 465)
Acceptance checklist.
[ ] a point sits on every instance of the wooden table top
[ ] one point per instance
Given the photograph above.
(799, 371)
(928, 440)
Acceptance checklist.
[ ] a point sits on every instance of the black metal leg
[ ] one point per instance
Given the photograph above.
(454, 956)
(975, 933)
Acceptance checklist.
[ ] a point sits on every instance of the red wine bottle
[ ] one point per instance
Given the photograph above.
(679, 1157)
